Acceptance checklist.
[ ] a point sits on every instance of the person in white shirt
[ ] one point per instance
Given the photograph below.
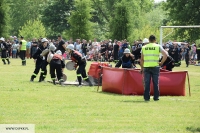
(14, 49)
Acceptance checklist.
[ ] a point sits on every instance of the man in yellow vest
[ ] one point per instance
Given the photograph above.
(150, 66)
(22, 50)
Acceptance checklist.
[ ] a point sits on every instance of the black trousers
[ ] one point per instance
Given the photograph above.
(4, 57)
(187, 60)
(38, 66)
(81, 72)
(198, 57)
(23, 56)
(55, 65)
(44, 70)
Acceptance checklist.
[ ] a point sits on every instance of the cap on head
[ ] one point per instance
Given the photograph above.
(70, 46)
(21, 37)
(44, 40)
(2, 39)
(127, 51)
(145, 40)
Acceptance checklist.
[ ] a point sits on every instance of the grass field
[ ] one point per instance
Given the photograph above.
(69, 109)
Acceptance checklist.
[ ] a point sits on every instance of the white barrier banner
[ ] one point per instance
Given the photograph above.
(17, 128)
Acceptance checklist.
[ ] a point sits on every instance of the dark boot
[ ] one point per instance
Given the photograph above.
(54, 82)
(4, 62)
(89, 82)
(8, 61)
(41, 79)
(61, 82)
(79, 80)
(32, 78)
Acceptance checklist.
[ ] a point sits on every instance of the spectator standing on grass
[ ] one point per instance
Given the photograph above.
(183, 52)
(78, 46)
(150, 66)
(33, 47)
(175, 54)
(14, 50)
(28, 47)
(194, 52)
(187, 55)
(84, 48)
(61, 44)
(9, 44)
(116, 51)
(16, 40)
(137, 52)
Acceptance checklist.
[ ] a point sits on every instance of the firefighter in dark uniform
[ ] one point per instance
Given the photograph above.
(22, 50)
(81, 63)
(169, 62)
(57, 64)
(44, 55)
(4, 49)
(127, 60)
(39, 59)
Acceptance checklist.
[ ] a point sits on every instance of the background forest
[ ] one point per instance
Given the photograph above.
(101, 19)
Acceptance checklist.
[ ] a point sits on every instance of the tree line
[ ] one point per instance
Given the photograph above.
(101, 19)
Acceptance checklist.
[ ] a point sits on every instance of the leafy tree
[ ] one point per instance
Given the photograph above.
(22, 11)
(55, 16)
(120, 23)
(184, 12)
(4, 19)
(33, 29)
(80, 25)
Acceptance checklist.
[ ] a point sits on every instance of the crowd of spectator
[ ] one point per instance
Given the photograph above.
(105, 50)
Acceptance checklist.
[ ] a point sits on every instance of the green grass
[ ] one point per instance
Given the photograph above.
(57, 109)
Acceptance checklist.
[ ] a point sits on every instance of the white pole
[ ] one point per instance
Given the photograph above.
(191, 26)
(161, 31)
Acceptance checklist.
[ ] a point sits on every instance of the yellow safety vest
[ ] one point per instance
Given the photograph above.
(23, 47)
(151, 54)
